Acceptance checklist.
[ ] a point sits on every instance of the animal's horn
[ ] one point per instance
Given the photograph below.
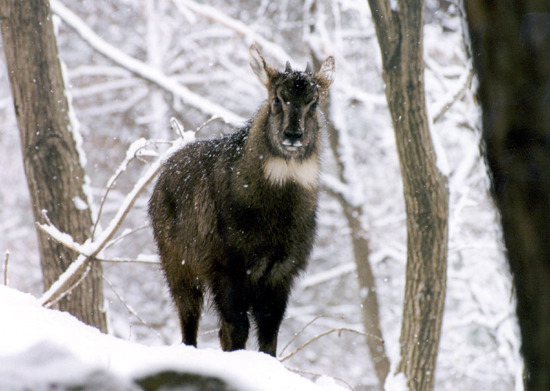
(288, 68)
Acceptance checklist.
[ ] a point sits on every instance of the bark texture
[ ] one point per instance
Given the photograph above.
(511, 52)
(400, 34)
(54, 174)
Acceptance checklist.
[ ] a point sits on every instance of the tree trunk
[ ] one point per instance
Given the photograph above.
(511, 52)
(400, 35)
(54, 173)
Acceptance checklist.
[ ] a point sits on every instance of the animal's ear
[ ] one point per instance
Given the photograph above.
(326, 73)
(259, 66)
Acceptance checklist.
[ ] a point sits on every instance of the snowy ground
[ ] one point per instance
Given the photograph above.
(42, 348)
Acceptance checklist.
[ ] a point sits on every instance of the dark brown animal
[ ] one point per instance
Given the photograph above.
(236, 214)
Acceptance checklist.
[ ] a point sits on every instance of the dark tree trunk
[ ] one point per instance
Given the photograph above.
(400, 35)
(511, 52)
(54, 174)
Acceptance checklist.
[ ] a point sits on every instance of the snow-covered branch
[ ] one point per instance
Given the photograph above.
(141, 69)
(214, 15)
(93, 247)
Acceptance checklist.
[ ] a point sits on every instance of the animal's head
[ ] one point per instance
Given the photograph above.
(293, 102)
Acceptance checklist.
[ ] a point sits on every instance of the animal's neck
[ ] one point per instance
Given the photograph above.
(279, 171)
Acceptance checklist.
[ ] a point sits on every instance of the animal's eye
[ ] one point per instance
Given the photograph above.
(276, 102)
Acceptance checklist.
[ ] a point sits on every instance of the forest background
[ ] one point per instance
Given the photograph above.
(204, 48)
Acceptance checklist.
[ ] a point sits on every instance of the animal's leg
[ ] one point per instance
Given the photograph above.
(187, 293)
(269, 308)
(232, 306)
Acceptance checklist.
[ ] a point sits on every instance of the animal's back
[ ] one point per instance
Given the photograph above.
(182, 207)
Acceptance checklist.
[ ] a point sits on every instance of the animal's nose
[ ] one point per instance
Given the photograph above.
(293, 135)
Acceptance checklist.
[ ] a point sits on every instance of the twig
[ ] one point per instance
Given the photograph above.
(177, 126)
(6, 260)
(128, 260)
(59, 237)
(93, 248)
(123, 166)
(305, 327)
(459, 93)
(338, 330)
(131, 310)
(209, 332)
(205, 123)
(214, 15)
(70, 289)
(125, 234)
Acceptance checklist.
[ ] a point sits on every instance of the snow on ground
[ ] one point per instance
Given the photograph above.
(40, 347)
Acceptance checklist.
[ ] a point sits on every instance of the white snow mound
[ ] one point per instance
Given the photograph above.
(40, 347)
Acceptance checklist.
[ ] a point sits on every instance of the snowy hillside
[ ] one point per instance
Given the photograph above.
(41, 348)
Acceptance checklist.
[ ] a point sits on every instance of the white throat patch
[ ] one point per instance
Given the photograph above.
(278, 170)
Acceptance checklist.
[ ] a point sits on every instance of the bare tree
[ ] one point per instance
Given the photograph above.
(54, 171)
(511, 53)
(400, 35)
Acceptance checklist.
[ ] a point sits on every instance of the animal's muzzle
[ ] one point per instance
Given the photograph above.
(293, 135)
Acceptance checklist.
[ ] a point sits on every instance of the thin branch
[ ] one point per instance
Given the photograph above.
(464, 84)
(177, 126)
(6, 260)
(131, 310)
(67, 291)
(338, 330)
(61, 238)
(130, 155)
(140, 69)
(296, 335)
(329, 274)
(93, 248)
(125, 234)
(214, 15)
(144, 260)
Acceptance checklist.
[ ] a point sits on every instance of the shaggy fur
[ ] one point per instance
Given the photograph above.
(236, 214)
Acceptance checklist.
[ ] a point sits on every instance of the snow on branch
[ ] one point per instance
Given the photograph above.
(141, 69)
(136, 149)
(93, 247)
(214, 15)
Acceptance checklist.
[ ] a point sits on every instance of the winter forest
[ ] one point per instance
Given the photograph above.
(131, 66)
